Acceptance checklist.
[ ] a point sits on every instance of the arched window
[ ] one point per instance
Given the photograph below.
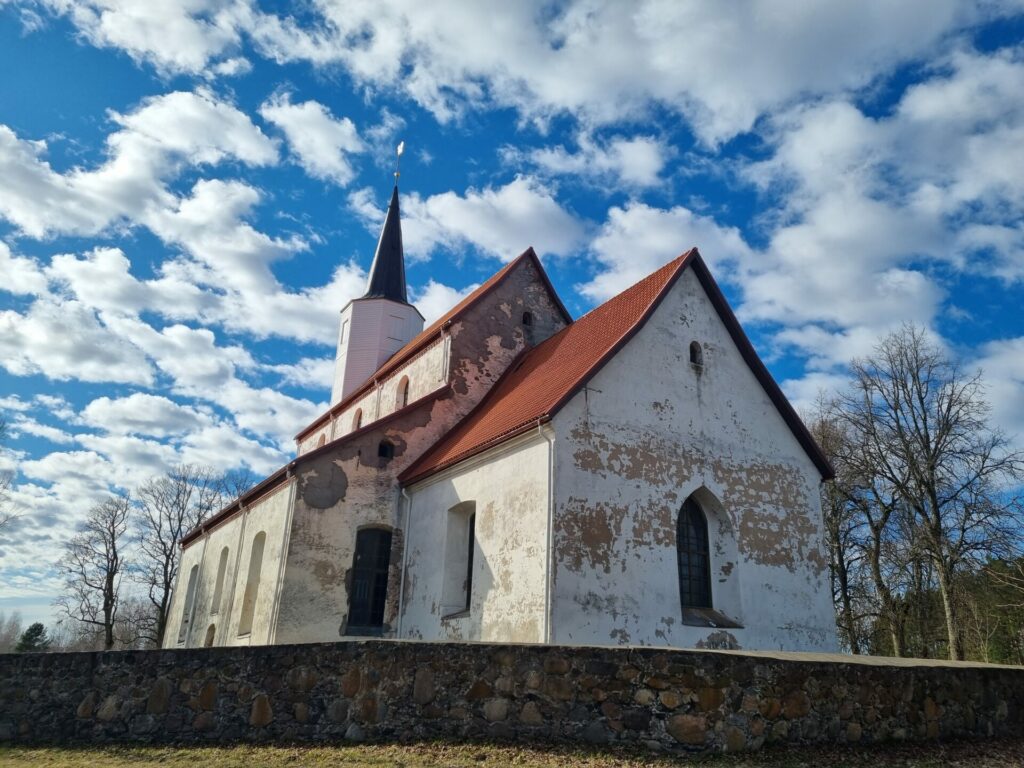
(211, 632)
(694, 556)
(252, 584)
(190, 603)
(460, 544)
(402, 398)
(696, 353)
(218, 588)
(357, 419)
(386, 449)
(321, 440)
(527, 318)
(369, 581)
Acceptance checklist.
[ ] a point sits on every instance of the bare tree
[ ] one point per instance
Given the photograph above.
(925, 444)
(169, 507)
(92, 566)
(10, 631)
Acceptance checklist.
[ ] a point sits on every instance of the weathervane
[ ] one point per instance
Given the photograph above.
(398, 161)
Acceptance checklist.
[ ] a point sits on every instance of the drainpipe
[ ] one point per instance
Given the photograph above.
(285, 540)
(548, 586)
(405, 557)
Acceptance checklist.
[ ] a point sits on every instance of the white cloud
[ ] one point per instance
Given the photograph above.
(30, 426)
(1002, 364)
(434, 299)
(500, 221)
(22, 276)
(637, 239)
(142, 414)
(153, 143)
(66, 341)
(178, 37)
(308, 373)
(319, 142)
(634, 162)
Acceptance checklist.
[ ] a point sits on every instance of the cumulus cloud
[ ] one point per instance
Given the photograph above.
(152, 144)
(434, 299)
(500, 221)
(637, 239)
(142, 414)
(319, 142)
(634, 162)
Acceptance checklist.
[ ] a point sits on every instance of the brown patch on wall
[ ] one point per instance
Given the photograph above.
(588, 532)
(768, 538)
(768, 499)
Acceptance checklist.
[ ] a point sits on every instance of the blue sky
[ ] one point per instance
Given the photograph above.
(189, 192)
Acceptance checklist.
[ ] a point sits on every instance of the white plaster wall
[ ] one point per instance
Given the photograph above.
(269, 514)
(649, 430)
(510, 490)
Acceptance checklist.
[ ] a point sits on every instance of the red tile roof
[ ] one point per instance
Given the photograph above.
(422, 340)
(543, 379)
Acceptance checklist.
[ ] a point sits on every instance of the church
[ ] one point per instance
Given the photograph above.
(509, 474)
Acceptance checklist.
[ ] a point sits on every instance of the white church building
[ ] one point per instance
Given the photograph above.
(509, 474)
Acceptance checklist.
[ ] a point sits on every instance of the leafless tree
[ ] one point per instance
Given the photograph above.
(92, 567)
(926, 450)
(10, 630)
(169, 507)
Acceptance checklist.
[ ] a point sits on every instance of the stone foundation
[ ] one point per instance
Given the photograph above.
(391, 690)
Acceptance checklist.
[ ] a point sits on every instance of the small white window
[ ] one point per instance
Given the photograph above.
(460, 546)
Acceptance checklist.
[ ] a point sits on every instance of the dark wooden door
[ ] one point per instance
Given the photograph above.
(369, 579)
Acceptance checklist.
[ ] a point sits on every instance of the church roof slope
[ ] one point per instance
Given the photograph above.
(544, 378)
(434, 330)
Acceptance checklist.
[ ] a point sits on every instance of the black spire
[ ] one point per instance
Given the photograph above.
(387, 275)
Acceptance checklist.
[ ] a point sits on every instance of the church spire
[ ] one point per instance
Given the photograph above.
(387, 275)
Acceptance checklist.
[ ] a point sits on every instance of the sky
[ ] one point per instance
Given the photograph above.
(190, 192)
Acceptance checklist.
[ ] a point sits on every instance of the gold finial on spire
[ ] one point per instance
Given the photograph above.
(398, 161)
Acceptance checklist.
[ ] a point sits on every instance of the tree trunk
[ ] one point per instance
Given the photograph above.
(956, 650)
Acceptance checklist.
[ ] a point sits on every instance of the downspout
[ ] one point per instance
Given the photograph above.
(548, 585)
(405, 559)
(285, 541)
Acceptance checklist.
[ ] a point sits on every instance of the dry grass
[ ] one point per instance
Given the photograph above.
(991, 754)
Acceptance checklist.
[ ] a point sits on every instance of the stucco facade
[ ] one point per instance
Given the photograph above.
(511, 475)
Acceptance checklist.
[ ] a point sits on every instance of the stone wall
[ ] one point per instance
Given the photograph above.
(389, 690)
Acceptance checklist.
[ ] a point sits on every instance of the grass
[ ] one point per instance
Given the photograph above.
(990, 754)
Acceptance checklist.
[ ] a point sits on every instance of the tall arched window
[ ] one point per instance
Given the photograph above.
(190, 603)
(694, 556)
(252, 584)
(357, 419)
(403, 393)
(218, 588)
(369, 581)
(321, 441)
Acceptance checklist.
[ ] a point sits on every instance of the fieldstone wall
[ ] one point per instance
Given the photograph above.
(392, 690)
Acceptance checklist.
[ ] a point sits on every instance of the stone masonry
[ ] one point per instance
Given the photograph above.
(679, 700)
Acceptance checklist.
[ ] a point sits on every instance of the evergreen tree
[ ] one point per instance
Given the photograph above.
(33, 640)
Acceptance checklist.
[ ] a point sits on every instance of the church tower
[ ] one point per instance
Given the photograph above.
(383, 321)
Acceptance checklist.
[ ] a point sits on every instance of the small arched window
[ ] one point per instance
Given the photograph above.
(357, 419)
(402, 399)
(320, 441)
(696, 353)
(211, 632)
(694, 556)
(386, 449)
(527, 318)
(190, 603)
